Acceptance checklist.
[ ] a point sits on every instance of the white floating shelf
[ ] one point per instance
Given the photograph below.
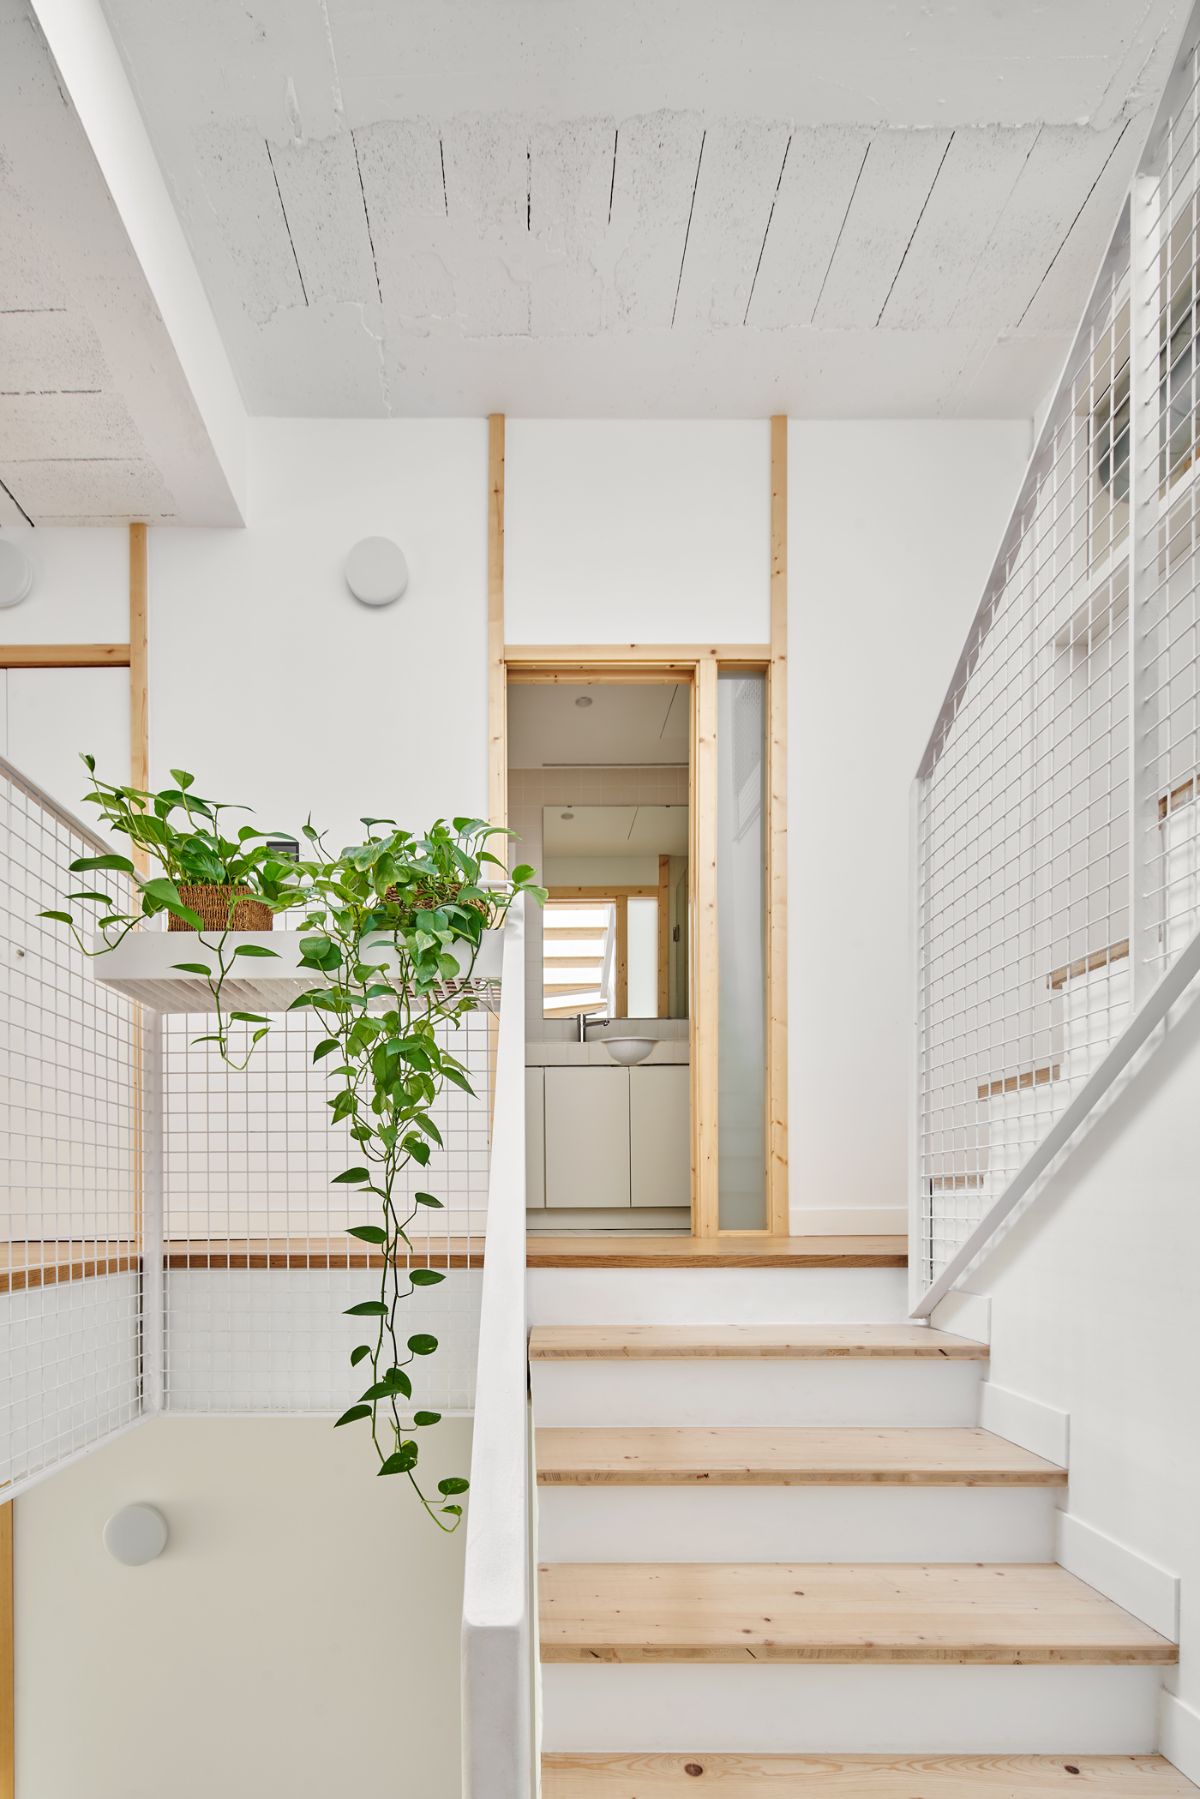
(142, 968)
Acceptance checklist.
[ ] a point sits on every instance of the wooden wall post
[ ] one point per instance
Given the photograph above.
(8, 1718)
(497, 676)
(777, 888)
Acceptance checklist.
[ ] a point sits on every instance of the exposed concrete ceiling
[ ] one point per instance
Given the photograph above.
(693, 207)
(97, 419)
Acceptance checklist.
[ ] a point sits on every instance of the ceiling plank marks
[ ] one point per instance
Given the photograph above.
(1060, 172)
(323, 199)
(739, 177)
(487, 160)
(1055, 305)
(38, 427)
(654, 181)
(403, 176)
(234, 168)
(982, 166)
(807, 215)
(897, 179)
(572, 170)
(62, 491)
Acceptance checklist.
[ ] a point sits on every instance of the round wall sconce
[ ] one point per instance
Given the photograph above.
(136, 1535)
(16, 573)
(376, 572)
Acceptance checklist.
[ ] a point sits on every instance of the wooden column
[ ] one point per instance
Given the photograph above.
(777, 892)
(703, 1010)
(497, 678)
(139, 687)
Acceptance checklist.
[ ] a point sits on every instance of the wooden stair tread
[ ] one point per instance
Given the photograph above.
(566, 1776)
(547, 1249)
(789, 1342)
(1010, 1614)
(769, 1457)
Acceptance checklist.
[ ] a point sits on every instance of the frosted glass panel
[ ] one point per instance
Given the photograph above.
(741, 856)
(643, 958)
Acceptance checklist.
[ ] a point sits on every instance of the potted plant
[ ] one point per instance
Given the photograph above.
(213, 884)
(395, 927)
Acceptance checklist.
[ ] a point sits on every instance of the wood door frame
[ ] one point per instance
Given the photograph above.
(697, 667)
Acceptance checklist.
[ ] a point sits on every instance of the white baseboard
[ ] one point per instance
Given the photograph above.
(1151, 1593)
(1179, 1734)
(1042, 1429)
(966, 1314)
(849, 1221)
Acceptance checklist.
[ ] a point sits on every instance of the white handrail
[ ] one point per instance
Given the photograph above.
(1171, 988)
(497, 1631)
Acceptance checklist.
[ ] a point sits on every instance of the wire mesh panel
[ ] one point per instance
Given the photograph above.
(1058, 848)
(70, 1289)
(259, 1266)
(1168, 620)
(1023, 835)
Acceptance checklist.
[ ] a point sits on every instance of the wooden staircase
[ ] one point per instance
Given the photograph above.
(784, 1559)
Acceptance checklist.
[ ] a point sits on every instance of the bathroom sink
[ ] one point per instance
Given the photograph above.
(628, 1050)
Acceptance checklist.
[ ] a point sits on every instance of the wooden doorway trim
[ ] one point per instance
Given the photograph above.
(776, 845)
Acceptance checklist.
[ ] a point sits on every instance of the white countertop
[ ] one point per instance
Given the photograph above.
(594, 1055)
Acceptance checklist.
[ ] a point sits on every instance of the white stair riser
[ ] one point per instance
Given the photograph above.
(796, 1524)
(732, 1295)
(854, 1707)
(756, 1390)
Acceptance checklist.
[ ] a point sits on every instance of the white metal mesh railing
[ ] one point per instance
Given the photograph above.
(259, 1266)
(1055, 819)
(70, 1287)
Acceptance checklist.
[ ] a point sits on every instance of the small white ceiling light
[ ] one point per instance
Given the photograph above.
(136, 1535)
(376, 572)
(16, 573)
(585, 699)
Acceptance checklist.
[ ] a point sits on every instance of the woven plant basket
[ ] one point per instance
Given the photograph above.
(212, 903)
(418, 900)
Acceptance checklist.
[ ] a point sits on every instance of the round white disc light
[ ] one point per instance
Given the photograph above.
(376, 572)
(135, 1535)
(16, 573)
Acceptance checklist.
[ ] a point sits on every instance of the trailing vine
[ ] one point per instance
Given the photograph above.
(394, 926)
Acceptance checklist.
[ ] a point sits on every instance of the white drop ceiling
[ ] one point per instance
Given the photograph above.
(869, 208)
(633, 726)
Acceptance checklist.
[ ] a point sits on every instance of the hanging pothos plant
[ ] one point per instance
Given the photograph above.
(394, 926)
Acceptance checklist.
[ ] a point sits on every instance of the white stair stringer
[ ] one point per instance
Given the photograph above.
(771, 1708)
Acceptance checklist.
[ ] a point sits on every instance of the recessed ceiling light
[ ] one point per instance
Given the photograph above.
(585, 699)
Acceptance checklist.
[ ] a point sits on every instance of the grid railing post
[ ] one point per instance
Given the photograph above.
(1145, 430)
(153, 1268)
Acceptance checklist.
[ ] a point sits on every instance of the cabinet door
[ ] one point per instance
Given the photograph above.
(587, 1137)
(660, 1154)
(535, 1137)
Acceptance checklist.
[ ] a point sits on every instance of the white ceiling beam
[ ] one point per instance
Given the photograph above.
(209, 482)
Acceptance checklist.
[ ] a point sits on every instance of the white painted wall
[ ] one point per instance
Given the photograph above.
(298, 1636)
(1093, 1311)
(274, 685)
(892, 530)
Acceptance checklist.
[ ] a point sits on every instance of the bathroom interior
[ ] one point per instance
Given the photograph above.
(601, 796)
